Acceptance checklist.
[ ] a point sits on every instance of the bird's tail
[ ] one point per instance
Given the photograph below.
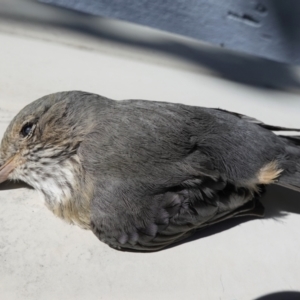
(290, 177)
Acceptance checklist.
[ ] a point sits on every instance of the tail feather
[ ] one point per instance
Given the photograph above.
(288, 186)
(290, 178)
(295, 139)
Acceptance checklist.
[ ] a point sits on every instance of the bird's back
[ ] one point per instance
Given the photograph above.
(164, 170)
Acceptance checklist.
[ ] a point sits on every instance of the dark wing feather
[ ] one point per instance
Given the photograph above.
(127, 218)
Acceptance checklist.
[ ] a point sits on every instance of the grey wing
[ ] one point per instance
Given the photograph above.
(131, 215)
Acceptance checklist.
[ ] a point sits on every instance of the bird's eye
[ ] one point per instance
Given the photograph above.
(26, 129)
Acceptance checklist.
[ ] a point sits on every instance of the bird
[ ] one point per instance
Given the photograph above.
(143, 175)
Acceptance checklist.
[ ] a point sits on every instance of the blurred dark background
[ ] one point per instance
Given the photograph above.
(254, 42)
(265, 28)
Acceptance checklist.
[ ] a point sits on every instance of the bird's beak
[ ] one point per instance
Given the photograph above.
(7, 168)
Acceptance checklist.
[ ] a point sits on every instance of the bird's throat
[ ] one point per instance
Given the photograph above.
(64, 189)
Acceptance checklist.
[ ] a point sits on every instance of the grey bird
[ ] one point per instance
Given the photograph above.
(143, 174)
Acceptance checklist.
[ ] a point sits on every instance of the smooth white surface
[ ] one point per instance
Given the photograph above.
(43, 258)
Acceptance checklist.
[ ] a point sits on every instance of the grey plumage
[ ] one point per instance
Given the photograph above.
(144, 174)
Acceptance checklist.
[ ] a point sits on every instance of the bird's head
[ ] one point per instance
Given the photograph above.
(40, 147)
(39, 140)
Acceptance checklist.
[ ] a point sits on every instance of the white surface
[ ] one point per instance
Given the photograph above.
(43, 258)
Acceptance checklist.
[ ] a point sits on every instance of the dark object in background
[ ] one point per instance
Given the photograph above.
(286, 295)
(266, 28)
